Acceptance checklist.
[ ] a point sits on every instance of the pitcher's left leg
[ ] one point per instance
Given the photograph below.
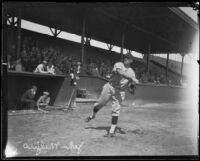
(115, 114)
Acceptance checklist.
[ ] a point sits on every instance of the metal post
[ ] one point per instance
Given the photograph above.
(10, 32)
(147, 58)
(19, 33)
(4, 108)
(122, 45)
(182, 65)
(167, 65)
(5, 39)
(82, 42)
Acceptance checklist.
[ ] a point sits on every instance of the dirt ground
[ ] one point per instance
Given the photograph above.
(150, 129)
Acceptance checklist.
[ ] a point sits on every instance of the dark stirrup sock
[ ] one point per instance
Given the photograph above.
(114, 120)
(113, 124)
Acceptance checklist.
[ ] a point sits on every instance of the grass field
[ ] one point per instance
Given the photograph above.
(150, 129)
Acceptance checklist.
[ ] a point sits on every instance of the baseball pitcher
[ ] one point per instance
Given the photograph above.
(122, 76)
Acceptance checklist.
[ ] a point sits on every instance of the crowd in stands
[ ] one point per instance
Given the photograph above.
(158, 78)
(32, 58)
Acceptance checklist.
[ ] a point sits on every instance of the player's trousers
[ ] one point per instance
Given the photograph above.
(110, 93)
(31, 103)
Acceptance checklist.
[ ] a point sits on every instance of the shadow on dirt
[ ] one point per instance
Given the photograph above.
(136, 131)
(107, 128)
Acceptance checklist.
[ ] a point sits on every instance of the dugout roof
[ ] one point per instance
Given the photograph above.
(166, 27)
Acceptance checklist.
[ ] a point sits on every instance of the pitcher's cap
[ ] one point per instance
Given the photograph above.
(33, 86)
(46, 93)
(128, 55)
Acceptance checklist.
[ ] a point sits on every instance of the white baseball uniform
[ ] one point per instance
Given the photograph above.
(114, 89)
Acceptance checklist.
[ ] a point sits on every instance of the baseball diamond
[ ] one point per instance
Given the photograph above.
(150, 129)
(100, 80)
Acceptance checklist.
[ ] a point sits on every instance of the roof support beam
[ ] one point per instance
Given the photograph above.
(142, 18)
(182, 15)
(4, 42)
(128, 51)
(56, 32)
(82, 41)
(51, 30)
(14, 22)
(136, 27)
(167, 65)
(122, 44)
(182, 65)
(87, 41)
(147, 58)
(19, 32)
(10, 22)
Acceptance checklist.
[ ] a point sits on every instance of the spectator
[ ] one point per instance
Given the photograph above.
(32, 55)
(78, 67)
(73, 75)
(28, 97)
(169, 82)
(42, 68)
(10, 62)
(18, 65)
(57, 71)
(43, 101)
(157, 80)
(51, 68)
(95, 70)
(25, 60)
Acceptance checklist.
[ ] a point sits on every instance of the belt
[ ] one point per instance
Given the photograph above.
(119, 88)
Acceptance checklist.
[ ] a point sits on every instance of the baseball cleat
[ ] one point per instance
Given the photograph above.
(119, 130)
(89, 119)
(109, 135)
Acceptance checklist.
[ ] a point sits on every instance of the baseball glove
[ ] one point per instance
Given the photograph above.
(131, 87)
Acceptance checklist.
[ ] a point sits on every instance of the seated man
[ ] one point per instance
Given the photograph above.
(41, 68)
(44, 100)
(28, 97)
(18, 66)
(51, 68)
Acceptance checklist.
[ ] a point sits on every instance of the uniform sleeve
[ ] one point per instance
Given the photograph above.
(36, 70)
(131, 73)
(41, 69)
(47, 100)
(39, 101)
(118, 65)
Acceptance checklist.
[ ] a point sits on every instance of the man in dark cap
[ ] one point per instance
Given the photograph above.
(114, 90)
(28, 97)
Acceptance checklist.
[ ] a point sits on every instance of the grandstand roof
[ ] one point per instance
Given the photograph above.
(167, 28)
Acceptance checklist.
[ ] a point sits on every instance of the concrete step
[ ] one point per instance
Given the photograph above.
(86, 100)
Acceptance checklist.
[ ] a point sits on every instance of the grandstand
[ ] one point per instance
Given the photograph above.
(128, 27)
(35, 47)
(70, 49)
